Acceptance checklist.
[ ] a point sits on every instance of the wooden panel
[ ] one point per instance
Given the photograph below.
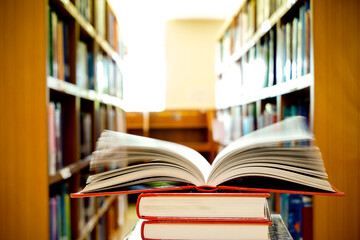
(134, 120)
(336, 27)
(23, 141)
(178, 119)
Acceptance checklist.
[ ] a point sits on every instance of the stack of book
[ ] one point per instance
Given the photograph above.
(259, 162)
(204, 215)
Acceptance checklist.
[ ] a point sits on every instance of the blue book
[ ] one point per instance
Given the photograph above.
(66, 52)
(295, 216)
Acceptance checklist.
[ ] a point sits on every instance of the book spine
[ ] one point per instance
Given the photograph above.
(58, 136)
(54, 21)
(66, 52)
(50, 42)
(51, 139)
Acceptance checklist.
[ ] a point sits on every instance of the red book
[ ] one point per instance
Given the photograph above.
(151, 230)
(241, 207)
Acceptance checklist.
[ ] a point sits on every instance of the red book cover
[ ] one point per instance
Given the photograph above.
(154, 230)
(174, 188)
(246, 207)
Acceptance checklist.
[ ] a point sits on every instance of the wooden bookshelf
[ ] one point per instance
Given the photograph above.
(336, 116)
(90, 101)
(191, 128)
(327, 92)
(68, 171)
(35, 85)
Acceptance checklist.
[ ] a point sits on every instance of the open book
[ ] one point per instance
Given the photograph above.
(278, 158)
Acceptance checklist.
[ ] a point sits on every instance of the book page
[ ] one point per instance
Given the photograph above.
(116, 146)
(290, 129)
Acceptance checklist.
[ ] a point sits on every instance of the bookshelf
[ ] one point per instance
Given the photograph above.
(55, 114)
(264, 74)
(84, 98)
(326, 93)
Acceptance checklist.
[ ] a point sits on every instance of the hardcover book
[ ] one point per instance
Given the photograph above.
(181, 230)
(242, 207)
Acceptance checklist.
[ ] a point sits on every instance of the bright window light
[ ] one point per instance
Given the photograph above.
(145, 70)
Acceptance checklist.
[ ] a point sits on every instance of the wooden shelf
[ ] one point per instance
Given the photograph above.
(72, 89)
(90, 225)
(68, 171)
(294, 85)
(191, 128)
(178, 125)
(198, 146)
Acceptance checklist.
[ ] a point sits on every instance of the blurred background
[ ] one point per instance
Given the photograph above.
(201, 73)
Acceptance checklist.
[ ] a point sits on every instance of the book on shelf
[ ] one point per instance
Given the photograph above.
(100, 22)
(51, 139)
(60, 219)
(258, 161)
(82, 65)
(241, 207)
(55, 147)
(58, 50)
(86, 136)
(85, 8)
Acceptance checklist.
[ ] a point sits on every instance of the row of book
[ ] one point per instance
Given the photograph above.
(236, 121)
(245, 23)
(60, 215)
(55, 134)
(84, 66)
(293, 46)
(58, 49)
(85, 8)
(108, 27)
(279, 56)
(108, 76)
(110, 118)
(109, 79)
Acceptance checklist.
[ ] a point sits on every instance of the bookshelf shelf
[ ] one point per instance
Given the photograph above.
(84, 84)
(276, 90)
(68, 171)
(73, 90)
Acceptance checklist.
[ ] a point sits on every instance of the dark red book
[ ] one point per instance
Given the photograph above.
(242, 207)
